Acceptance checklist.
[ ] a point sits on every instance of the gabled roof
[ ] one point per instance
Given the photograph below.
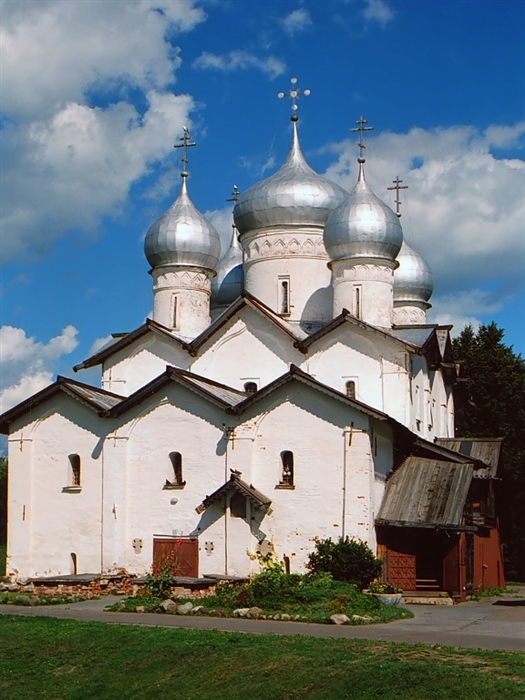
(296, 374)
(224, 396)
(426, 493)
(244, 301)
(97, 400)
(149, 326)
(346, 317)
(235, 483)
(486, 450)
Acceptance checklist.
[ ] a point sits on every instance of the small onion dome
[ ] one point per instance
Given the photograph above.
(295, 195)
(363, 226)
(182, 236)
(413, 279)
(229, 282)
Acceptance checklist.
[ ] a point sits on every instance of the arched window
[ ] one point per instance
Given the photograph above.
(250, 387)
(73, 564)
(287, 474)
(284, 295)
(176, 464)
(74, 470)
(350, 389)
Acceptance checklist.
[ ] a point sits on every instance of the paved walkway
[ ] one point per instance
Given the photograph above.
(480, 625)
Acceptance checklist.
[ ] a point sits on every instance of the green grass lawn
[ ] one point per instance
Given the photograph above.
(58, 659)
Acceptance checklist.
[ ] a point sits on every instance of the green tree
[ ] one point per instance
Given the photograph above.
(491, 403)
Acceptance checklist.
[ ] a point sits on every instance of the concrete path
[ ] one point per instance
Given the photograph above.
(476, 625)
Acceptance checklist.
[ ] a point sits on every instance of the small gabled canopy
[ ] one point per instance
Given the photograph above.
(97, 400)
(486, 450)
(235, 483)
(426, 493)
(149, 326)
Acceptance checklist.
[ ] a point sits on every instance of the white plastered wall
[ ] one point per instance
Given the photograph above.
(48, 522)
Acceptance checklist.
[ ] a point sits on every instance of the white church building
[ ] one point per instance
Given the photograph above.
(263, 404)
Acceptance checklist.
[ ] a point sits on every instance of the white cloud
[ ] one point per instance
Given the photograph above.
(464, 308)
(59, 148)
(100, 343)
(222, 219)
(464, 210)
(378, 10)
(240, 60)
(27, 363)
(297, 21)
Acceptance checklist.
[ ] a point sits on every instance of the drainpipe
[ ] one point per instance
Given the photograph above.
(102, 452)
(346, 432)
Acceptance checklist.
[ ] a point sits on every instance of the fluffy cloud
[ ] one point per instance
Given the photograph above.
(378, 10)
(240, 60)
(464, 210)
(297, 21)
(27, 363)
(464, 308)
(58, 144)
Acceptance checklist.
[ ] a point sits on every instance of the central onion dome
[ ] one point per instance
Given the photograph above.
(229, 281)
(294, 195)
(182, 236)
(363, 226)
(413, 279)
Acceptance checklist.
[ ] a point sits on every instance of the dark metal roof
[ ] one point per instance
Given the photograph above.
(225, 396)
(126, 339)
(235, 483)
(97, 400)
(426, 493)
(487, 450)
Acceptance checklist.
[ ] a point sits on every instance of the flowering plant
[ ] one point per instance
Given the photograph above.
(160, 580)
(379, 587)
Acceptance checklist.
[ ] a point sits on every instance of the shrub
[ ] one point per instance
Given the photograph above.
(348, 559)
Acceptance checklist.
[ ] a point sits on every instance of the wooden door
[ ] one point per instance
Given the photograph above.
(182, 551)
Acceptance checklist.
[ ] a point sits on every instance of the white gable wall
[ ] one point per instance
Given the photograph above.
(46, 521)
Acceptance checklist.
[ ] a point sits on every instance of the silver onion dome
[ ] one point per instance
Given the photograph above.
(295, 194)
(413, 279)
(182, 236)
(363, 226)
(228, 284)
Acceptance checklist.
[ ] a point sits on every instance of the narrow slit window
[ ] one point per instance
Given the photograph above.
(174, 311)
(285, 296)
(350, 389)
(287, 464)
(357, 302)
(74, 470)
(250, 387)
(73, 564)
(176, 464)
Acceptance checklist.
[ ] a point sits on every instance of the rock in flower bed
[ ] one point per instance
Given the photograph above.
(275, 595)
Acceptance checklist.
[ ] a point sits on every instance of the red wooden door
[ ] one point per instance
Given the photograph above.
(182, 551)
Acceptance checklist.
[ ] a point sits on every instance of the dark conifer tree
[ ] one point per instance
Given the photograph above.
(491, 403)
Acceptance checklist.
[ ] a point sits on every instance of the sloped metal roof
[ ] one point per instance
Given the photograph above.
(258, 499)
(487, 450)
(218, 391)
(426, 493)
(93, 395)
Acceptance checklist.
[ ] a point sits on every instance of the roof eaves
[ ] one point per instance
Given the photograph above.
(149, 326)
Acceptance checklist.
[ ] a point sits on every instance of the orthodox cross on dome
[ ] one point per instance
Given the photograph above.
(397, 186)
(362, 128)
(235, 195)
(294, 94)
(186, 143)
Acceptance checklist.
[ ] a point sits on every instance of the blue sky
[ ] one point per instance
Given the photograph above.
(95, 94)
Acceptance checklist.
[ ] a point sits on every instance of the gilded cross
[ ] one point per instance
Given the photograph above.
(362, 128)
(186, 143)
(294, 94)
(397, 186)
